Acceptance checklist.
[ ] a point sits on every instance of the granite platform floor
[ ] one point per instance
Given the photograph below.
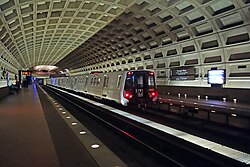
(25, 138)
(32, 134)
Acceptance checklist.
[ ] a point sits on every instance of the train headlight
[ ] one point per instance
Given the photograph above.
(129, 74)
(127, 94)
(151, 73)
(153, 93)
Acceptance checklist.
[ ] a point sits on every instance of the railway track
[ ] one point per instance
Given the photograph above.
(165, 149)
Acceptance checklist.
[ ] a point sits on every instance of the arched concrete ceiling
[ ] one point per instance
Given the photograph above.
(127, 34)
(161, 28)
(37, 32)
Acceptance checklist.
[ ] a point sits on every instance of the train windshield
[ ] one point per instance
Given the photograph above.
(139, 80)
(151, 82)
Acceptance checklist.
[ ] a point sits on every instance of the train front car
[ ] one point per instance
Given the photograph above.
(140, 88)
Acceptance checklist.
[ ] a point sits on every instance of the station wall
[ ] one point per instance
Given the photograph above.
(202, 34)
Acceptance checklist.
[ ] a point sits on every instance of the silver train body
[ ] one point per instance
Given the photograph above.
(123, 87)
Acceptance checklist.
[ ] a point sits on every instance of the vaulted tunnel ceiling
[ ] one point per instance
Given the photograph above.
(76, 34)
(37, 32)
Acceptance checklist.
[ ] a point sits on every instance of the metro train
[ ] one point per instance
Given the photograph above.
(136, 87)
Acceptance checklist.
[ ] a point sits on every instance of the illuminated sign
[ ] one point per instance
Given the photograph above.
(26, 72)
(182, 73)
(217, 76)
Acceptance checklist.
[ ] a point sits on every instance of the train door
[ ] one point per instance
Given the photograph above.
(105, 85)
(75, 84)
(80, 83)
(86, 83)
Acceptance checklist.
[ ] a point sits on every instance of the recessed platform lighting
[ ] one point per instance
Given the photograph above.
(68, 117)
(95, 146)
(82, 132)
(73, 123)
(234, 115)
(63, 112)
(60, 109)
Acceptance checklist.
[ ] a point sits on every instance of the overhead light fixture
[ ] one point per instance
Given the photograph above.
(12, 21)
(25, 6)
(26, 15)
(41, 3)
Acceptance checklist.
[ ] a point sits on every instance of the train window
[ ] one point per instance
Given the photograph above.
(107, 81)
(151, 81)
(98, 81)
(119, 81)
(129, 84)
(87, 78)
(138, 81)
(104, 80)
(91, 82)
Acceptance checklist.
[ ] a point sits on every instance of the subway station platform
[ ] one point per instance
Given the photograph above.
(25, 137)
(33, 133)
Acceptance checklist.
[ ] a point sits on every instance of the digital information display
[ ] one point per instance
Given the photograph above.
(216, 76)
(183, 73)
(26, 72)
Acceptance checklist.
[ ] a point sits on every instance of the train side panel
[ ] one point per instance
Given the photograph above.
(79, 83)
(135, 87)
(115, 85)
(94, 86)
